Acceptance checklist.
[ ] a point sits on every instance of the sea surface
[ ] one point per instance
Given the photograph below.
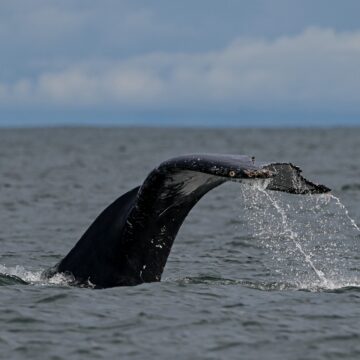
(252, 274)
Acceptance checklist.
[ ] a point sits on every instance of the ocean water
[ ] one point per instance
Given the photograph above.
(252, 274)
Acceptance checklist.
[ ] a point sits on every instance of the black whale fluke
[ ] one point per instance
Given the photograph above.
(130, 241)
(288, 178)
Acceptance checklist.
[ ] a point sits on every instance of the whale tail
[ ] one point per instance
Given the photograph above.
(287, 178)
(130, 241)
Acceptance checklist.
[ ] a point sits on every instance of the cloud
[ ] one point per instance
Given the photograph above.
(313, 70)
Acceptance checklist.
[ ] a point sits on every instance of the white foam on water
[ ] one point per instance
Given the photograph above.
(35, 276)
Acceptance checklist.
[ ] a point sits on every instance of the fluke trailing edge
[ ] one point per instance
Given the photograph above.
(130, 241)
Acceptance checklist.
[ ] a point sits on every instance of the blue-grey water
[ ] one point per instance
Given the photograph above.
(252, 274)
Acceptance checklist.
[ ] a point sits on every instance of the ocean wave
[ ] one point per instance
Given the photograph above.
(338, 286)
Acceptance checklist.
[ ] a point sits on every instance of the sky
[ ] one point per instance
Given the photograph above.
(180, 63)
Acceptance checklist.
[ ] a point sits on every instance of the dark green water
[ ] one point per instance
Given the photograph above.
(252, 275)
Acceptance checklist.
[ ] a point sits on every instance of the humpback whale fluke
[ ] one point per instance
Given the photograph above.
(130, 241)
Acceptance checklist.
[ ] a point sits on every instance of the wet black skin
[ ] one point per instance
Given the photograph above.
(130, 241)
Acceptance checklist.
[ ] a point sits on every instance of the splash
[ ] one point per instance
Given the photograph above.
(293, 236)
(345, 210)
(312, 240)
(19, 275)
